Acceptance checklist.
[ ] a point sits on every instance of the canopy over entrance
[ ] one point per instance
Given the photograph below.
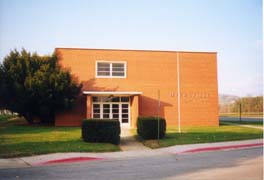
(124, 93)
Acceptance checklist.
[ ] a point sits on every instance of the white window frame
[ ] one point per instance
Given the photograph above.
(111, 114)
(111, 71)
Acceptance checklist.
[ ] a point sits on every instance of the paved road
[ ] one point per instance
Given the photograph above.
(233, 164)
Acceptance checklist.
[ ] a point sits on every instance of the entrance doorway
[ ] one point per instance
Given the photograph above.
(112, 108)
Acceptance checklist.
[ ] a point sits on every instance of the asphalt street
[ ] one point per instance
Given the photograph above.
(232, 164)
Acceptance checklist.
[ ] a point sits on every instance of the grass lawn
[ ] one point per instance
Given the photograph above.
(23, 140)
(6, 118)
(253, 123)
(194, 135)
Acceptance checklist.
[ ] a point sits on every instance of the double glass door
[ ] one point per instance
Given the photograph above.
(119, 111)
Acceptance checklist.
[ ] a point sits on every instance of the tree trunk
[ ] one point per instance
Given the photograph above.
(48, 118)
(29, 118)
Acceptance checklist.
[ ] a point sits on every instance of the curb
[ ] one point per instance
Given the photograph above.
(195, 150)
(218, 148)
(68, 160)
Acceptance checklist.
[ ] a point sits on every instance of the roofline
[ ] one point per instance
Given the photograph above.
(141, 50)
(112, 92)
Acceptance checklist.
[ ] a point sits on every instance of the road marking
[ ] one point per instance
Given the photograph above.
(69, 160)
(217, 148)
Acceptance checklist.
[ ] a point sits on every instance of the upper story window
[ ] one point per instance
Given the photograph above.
(111, 69)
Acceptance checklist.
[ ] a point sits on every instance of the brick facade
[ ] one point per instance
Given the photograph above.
(148, 72)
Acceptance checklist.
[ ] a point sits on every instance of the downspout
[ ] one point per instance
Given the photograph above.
(179, 95)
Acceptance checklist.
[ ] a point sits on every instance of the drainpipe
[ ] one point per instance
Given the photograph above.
(179, 96)
(158, 113)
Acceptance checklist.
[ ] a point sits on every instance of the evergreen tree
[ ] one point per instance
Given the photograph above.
(36, 86)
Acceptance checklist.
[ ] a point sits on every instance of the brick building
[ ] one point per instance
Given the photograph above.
(124, 84)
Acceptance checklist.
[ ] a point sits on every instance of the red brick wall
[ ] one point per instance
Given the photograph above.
(148, 71)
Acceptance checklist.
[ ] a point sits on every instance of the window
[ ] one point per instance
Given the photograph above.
(111, 69)
(118, 69)
(103, 69)
(96, 110)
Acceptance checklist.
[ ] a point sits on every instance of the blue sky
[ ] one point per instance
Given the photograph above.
(233, 28)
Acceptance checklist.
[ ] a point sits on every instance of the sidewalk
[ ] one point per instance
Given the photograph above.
(129, 142)
(57, 158)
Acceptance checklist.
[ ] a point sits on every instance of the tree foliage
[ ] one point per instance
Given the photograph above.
(248, 105)
(36, 86)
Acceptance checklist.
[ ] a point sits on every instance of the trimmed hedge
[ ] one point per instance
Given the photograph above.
(147, 127)
(101, 130)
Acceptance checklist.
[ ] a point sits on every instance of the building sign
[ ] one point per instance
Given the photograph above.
(190, 97)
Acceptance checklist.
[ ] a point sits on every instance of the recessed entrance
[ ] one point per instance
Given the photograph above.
(110, 107)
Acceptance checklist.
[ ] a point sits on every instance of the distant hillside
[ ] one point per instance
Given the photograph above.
(227, 99)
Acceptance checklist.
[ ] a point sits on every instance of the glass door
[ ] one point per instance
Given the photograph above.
(106, 111)
(124, 113)
(115, 111)
(111, 108)
(120, 111)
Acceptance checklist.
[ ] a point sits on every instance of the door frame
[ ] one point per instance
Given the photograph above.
(111, 114)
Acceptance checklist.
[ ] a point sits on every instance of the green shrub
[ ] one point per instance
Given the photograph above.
(101, 130)
(147, 127)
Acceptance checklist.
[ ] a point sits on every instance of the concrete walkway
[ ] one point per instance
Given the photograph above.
(177, 150)
(129, 142)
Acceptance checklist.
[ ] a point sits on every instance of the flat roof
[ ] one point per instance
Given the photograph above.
(142, 50)
(112, 92)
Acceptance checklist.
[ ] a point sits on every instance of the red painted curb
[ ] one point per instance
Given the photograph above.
(70, 160)
(217, 148)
